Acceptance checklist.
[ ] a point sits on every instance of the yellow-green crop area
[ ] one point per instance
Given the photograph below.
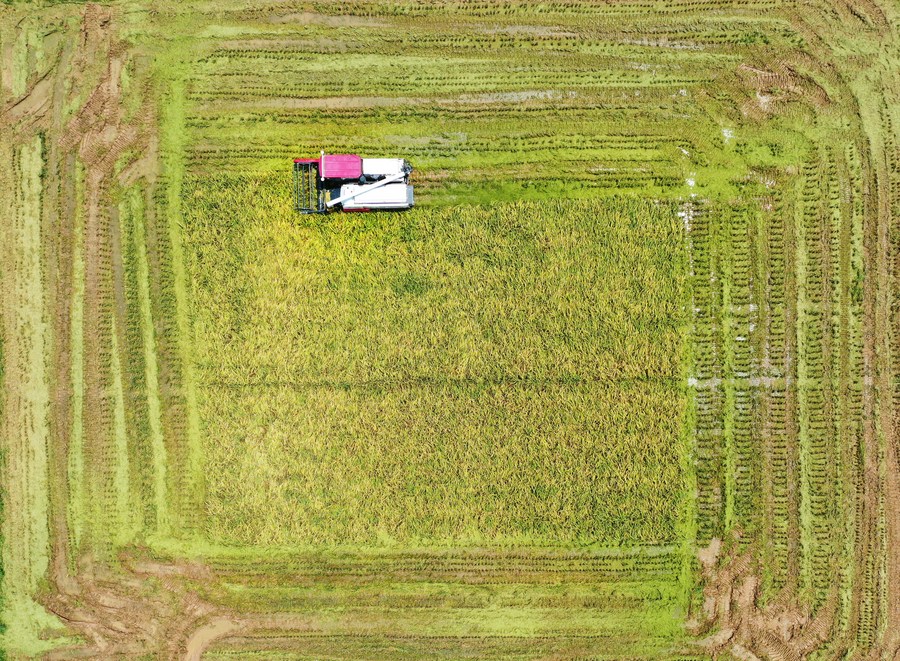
(471, 375)
(624, 384)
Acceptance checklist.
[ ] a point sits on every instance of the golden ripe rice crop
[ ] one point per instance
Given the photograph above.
(457, 374)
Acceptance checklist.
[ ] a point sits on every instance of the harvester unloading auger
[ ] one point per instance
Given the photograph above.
(351, 183)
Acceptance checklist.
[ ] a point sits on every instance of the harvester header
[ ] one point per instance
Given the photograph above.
(351, 183)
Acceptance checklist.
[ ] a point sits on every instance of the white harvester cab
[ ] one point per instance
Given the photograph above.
(351, 183)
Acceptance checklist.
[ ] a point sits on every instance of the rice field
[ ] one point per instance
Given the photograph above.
(623, 384)
(457, 374)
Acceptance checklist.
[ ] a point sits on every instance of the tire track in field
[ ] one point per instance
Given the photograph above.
(190, 478)
(804, 322)
(880, 466)
(703, 228)
(824, 456)
(891, 120)
(819, 380)
(26, 393)
(889, 482)
(865, 618)
(868, 605)
(151, 378)
(59, 210)
(792, 431)
(870, 551)
(75, 502)
(772, 408)
(66, 249)
(100, 134)
(847, 420)
(40, 247)
(448, 589)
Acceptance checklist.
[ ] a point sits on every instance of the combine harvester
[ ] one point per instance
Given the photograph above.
(351, 183)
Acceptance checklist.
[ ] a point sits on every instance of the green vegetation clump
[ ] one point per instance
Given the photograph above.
(473, 374)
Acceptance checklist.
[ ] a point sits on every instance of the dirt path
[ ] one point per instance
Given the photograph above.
(779, 630)
(145, 609)
(203, 637)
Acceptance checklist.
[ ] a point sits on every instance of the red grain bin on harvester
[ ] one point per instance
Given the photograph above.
(351, 183)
